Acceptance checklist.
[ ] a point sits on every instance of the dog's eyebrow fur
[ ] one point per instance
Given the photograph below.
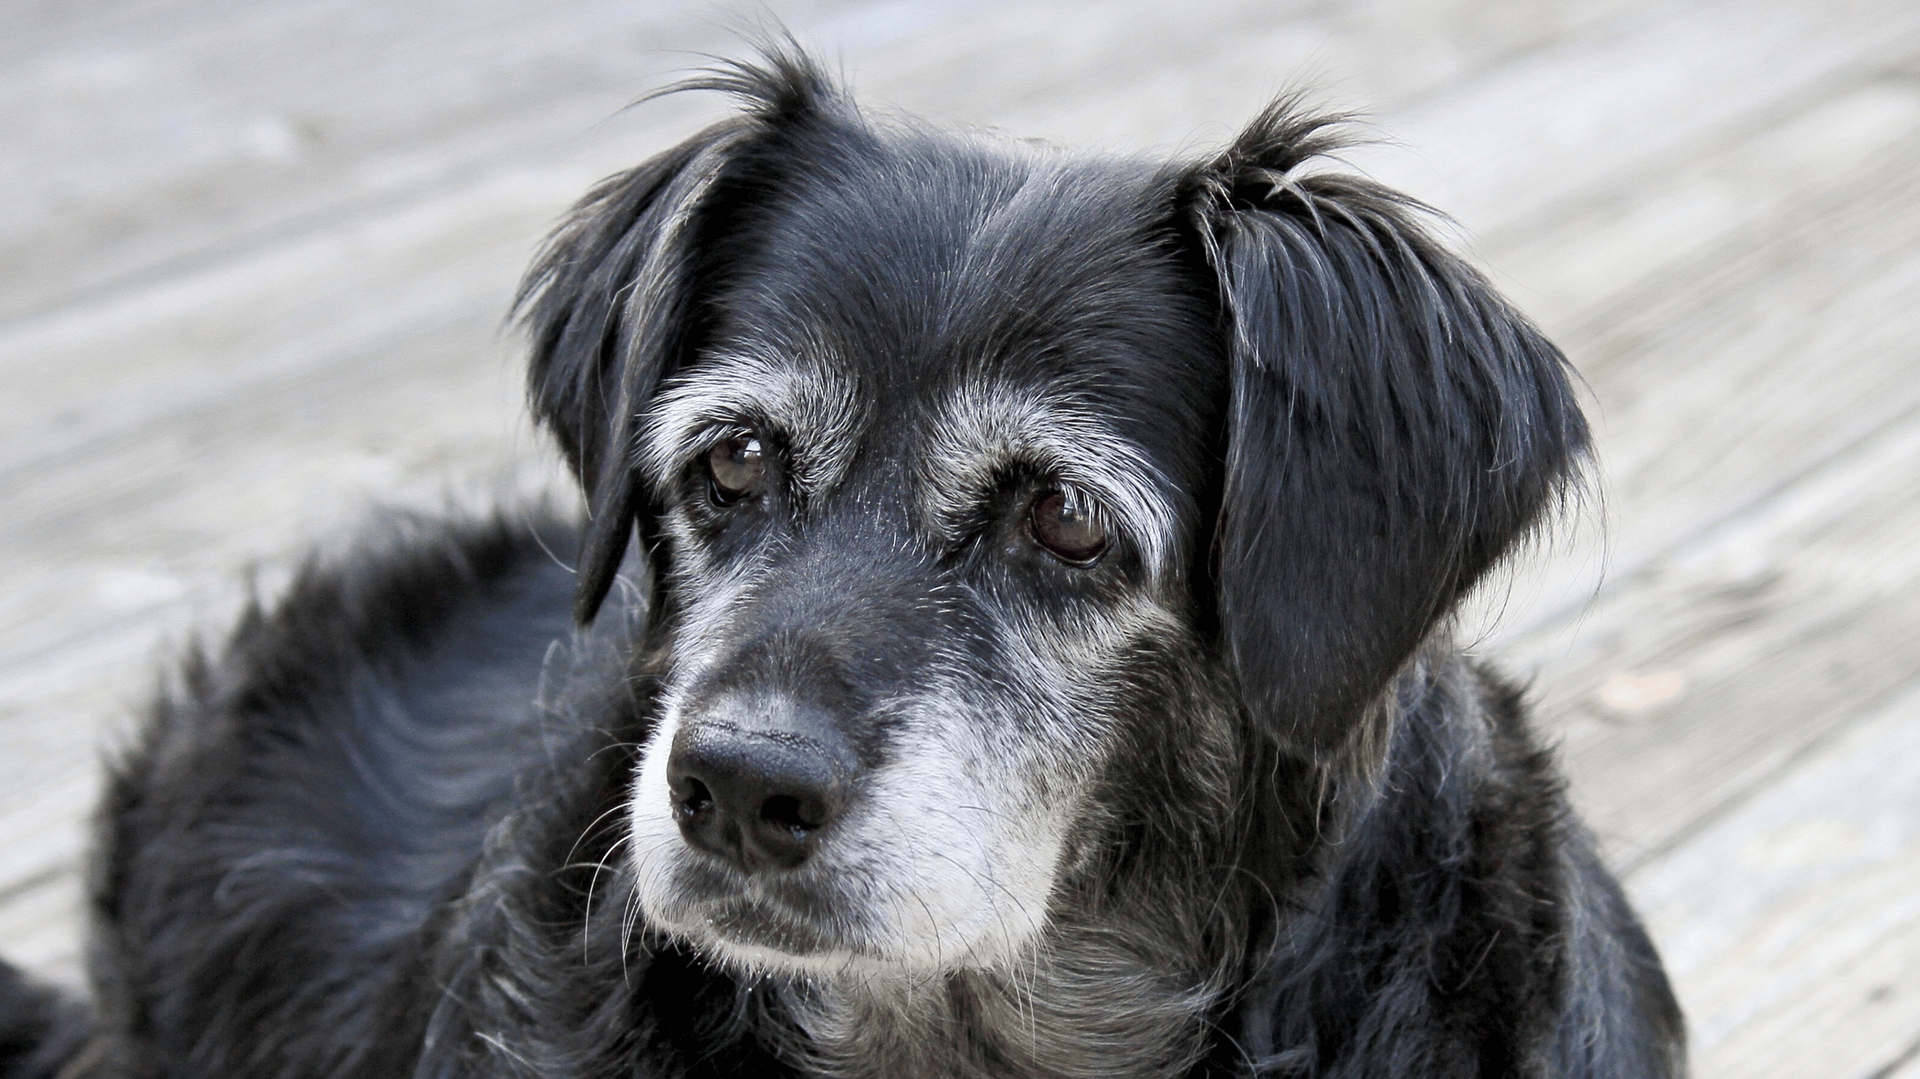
(808, 403)
(985, 427)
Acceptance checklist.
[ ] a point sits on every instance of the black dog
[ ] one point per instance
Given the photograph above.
(1033, 663)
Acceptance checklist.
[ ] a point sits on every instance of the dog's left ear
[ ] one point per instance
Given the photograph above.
(612, 301)
(1394, 427)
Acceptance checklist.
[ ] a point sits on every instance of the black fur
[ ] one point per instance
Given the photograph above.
(384, 831)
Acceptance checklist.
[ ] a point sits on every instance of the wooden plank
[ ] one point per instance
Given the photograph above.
(1763, 360)
(1733, 658)
(1135, 73)
(1706, 679)
(138, 537)
(1678, 249)
(291, 115)
(93, 372)
(1906, 1067)
(1792, 929)
(309, 329)
(34, 25)
(252, 122)
(175, 135)
(1534, 140)
(241, 416)
(1640, 245)
(1796, 388)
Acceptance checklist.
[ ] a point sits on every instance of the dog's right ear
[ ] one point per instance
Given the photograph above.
(1393, 429)
(611, 300)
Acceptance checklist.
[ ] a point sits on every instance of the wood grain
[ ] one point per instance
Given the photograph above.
(1762, 489)
(253, 263)
(1794, 926)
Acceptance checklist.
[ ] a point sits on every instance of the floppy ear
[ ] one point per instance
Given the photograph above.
(611, 300)
(1394, 427)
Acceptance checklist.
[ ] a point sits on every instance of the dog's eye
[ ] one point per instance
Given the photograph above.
(736, 466)
(1068, 527)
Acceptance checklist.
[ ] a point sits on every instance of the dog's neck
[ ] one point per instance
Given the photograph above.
(1089, 1001)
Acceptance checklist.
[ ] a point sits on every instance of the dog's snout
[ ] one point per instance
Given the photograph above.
(757, 798)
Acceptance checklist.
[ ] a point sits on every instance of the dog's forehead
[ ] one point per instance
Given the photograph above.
(927, 258)
(944, 284)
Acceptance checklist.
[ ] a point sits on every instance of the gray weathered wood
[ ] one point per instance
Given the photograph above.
(1783, 381)
(256, 120)
(253, 262)
(1795, 924)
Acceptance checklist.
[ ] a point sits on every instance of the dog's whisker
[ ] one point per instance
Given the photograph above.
(598, 865)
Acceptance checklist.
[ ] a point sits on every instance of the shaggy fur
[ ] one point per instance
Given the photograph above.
(1034, 662)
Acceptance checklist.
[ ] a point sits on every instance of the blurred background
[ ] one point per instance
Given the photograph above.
(254, 259)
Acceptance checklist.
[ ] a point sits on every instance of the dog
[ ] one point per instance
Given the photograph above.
(1010, 636)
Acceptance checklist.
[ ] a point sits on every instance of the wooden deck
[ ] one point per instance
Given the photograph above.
(253, 261)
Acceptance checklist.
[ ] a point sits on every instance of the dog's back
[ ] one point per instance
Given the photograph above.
(303, 804)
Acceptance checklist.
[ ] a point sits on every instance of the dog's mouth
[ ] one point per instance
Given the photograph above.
(776, 919)
(745, 922)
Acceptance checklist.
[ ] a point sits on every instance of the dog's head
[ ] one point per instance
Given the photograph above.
(992, 500)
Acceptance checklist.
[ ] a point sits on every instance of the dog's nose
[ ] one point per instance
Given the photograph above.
(756, 798)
